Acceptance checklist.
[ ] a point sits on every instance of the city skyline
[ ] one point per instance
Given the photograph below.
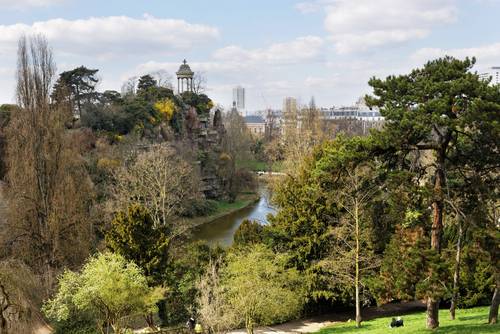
(323, 48)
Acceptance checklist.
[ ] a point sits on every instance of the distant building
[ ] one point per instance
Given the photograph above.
(239, 97)
(351, 112)
(360, 111)
(493, 73)
(256, 125)
(289, 105)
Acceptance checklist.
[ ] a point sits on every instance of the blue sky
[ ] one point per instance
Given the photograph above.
(275, 48)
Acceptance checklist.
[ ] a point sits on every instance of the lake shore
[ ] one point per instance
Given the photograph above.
(225, 208)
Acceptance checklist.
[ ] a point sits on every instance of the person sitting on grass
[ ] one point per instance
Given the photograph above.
(397, 322)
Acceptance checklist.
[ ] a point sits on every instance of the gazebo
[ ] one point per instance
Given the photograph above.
(184, 78)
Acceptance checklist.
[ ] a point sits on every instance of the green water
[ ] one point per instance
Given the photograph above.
(221, 231)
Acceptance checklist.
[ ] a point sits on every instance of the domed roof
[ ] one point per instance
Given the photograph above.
(184, 70)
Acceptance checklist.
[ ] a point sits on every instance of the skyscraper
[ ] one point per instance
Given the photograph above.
(289, 105)
(239, 98)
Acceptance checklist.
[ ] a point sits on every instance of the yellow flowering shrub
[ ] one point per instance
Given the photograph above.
(166, 108)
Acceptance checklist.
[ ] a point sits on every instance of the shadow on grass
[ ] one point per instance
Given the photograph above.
(446, 329)
(472, 317)
(459, 329)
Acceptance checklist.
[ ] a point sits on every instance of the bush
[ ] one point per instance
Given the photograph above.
(109, 288)
(184, 271)
(200, 207)
(77, 324)
(249, 232)
(259, 288)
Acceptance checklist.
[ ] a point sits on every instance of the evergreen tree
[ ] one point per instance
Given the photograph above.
(434, 113)
(134, 236)
(77, 85)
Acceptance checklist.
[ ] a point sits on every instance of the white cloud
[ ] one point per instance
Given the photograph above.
(300, 49)
(307, 7)
(265, 72)
(112, 36)
(365, 24)
(5, 71)
(321, 82)
(487, 55)
(20, 4)
(207, 67)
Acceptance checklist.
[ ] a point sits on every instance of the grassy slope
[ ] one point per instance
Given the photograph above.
(224, 208)
(467, 321)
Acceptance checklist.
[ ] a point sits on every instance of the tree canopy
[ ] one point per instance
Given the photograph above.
(108, 287)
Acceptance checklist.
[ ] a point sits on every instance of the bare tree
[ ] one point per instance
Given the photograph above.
(352, 256)
(237, 139)
(214, 310)
(48, 190)
(159, 180)
(199, 83)
(302, 130)
(129, 87)
(163, 78)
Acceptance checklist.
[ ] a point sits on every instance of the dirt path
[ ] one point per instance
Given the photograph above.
(314, 324)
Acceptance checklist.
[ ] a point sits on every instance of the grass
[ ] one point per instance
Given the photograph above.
(467, 321)
(224, 208)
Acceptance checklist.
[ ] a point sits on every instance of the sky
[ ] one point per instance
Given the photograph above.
(328, 49)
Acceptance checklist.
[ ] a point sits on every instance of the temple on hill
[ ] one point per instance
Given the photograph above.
(184, 78)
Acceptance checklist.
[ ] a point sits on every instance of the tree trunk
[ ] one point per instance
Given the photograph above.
(495, 301)
(437, 227)
(432, 313)
(356, 279)
(150, 321)
(456, 274)
(249, 325)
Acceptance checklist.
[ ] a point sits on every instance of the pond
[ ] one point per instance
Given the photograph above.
(221, 231)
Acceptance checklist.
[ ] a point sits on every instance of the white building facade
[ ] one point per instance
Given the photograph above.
(493, 73)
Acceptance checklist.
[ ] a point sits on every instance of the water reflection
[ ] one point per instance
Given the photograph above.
(221, 231)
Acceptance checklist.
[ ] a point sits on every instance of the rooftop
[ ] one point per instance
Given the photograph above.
(184, 70)
(254, 119)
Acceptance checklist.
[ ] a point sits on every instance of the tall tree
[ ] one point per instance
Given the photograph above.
(77, 85)
(430, 113)
(351, 182)
(145, 82)
(5, 111)
(48, 190)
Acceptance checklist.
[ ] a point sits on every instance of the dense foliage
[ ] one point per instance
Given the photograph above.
(109, 288)
(409, 211)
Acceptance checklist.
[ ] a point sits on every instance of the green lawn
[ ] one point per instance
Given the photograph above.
(224, 206)
(467, 321)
